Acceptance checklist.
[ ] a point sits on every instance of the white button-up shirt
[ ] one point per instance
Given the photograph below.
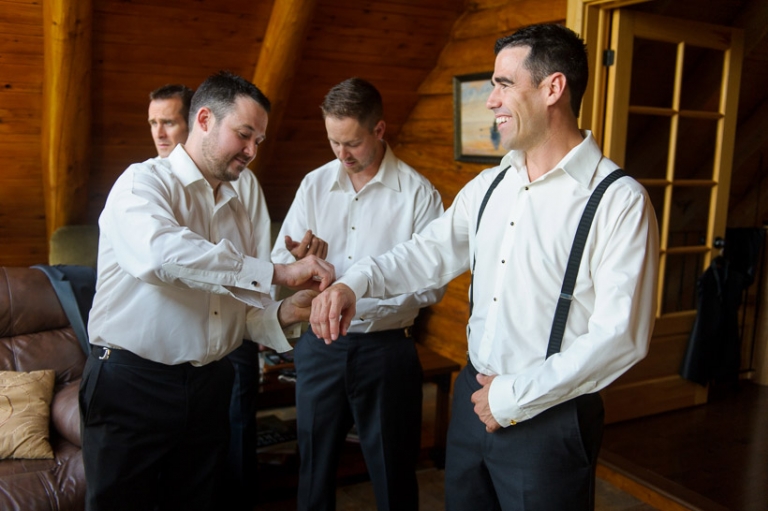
(522, 250)
(252, 197)
(176, 279)
(394, 204)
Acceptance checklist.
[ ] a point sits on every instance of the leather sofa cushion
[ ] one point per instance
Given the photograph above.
(65, 413)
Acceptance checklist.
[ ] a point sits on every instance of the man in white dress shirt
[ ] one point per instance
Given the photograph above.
(361, 204)
(526, 428)
(178, 289)
(168, 113)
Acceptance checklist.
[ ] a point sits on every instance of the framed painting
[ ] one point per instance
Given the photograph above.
(475, 136)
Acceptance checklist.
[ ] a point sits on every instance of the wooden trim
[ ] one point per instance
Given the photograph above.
(66, 115)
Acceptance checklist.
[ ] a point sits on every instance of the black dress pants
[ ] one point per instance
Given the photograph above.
(154, 436)
(543, 464)
(374, 381)
(238, 488)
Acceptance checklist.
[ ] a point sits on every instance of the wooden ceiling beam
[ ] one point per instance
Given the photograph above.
(66, 115)
(279, 57)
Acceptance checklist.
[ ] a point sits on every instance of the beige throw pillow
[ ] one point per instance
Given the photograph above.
(25, 408)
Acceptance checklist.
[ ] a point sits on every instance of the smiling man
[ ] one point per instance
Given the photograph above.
(167, 115)
(363, 203)
(178, 289)
(527, 420)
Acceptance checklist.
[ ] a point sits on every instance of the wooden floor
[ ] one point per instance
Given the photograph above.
(359, 497)
(710, 458)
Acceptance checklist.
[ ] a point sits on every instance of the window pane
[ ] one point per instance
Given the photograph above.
(653, 73)
(689, 216)
(680, 278)
(696, 145)
(702, 74)
(647, 146)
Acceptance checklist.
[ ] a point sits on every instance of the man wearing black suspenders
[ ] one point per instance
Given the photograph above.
(563, 294)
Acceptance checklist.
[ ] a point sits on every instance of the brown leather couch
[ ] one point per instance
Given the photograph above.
(35, 334)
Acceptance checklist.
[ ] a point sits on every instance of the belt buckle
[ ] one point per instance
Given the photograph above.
(106, 354)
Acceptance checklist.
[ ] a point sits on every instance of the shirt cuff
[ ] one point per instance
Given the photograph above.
(357, 282)
(264, 328)
(256, 275)
(501, 400)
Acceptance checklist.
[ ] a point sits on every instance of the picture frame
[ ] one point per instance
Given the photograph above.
(475, 137)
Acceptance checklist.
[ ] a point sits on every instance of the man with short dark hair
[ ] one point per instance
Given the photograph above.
(168, 130)
(168, 112)
(527, 417)
(361, 204)
(178, 289)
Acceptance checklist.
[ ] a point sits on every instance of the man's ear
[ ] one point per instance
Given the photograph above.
(555, 87)
(379, 129)
(204, 118)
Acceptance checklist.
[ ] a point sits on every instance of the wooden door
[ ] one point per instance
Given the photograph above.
(669, 121)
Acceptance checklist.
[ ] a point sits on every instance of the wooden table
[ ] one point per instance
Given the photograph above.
(437, 369)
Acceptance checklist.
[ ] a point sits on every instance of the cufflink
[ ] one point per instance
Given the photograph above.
(254, 283)
(513, 422)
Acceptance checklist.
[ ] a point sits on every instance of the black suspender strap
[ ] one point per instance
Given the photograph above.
(477, 227)
(574, 260)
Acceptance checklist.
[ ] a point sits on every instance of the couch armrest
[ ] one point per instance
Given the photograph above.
(65, 412)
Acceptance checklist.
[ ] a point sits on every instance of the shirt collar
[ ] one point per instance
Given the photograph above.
(386, 175)
(185, 169)
(183, 166)
(580, 163)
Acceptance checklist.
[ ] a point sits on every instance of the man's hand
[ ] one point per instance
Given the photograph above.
(309, 245)
(296, 307)
(332, 312)
(308, 273)
(482, 408)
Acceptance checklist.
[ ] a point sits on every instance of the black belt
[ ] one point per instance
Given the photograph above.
(125, 357)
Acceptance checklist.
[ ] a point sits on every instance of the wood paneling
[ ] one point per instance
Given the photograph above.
(22, 210)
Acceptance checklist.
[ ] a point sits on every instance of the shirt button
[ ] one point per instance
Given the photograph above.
(526, 188)
(349, 257)
(503, 261)
(353, 227)
(494, 298)
(215, 313)
(512, 223)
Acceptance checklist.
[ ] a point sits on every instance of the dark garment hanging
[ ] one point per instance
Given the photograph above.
(714, 346)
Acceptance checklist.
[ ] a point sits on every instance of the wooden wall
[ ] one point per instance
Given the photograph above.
(426, 139)
(22, 210)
